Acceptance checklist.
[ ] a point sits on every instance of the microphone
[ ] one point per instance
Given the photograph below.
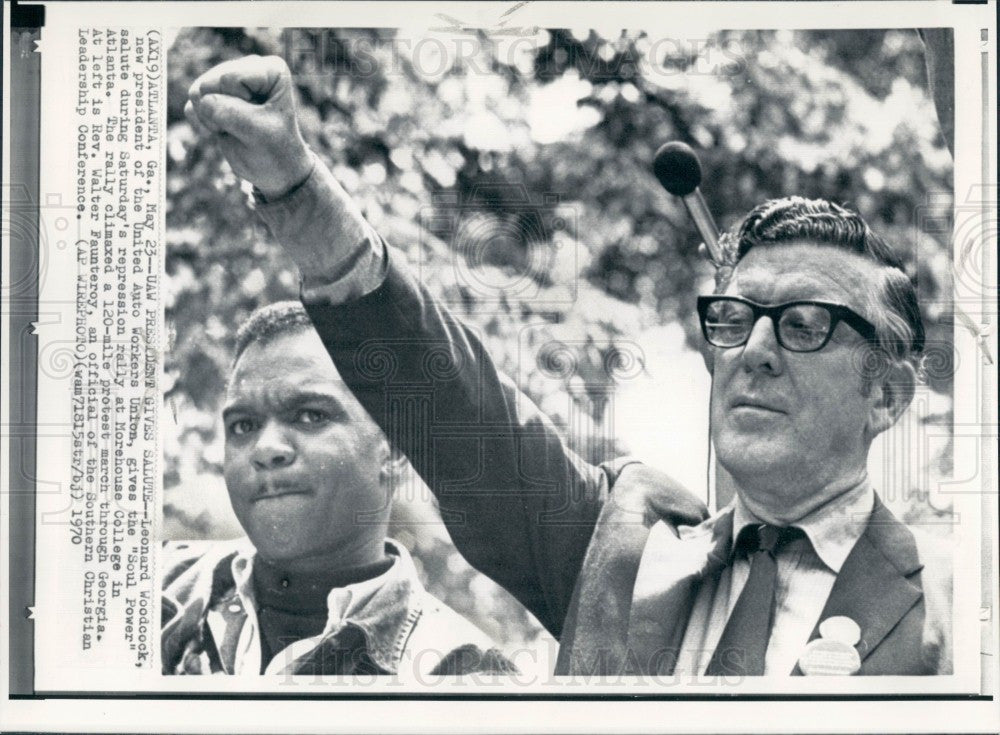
(678, 169)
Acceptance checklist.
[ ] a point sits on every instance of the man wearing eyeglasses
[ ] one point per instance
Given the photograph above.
(810, 344)
(811, 340)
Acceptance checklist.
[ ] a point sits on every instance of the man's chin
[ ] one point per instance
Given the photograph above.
(277, 550)
(752, 457)
(273, 542)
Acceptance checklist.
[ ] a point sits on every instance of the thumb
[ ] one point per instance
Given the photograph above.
(222, 113)
(676, 505)
(657, 495)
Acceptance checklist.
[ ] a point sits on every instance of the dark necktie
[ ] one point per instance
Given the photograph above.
(743, 645)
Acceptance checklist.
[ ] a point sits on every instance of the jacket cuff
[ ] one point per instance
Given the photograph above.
(613, 468)
(339, 255)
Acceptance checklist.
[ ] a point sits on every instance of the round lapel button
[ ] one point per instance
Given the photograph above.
(827, 657)
(840, 628)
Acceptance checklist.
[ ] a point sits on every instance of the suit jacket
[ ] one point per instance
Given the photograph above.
(895, 584)
(544, 524)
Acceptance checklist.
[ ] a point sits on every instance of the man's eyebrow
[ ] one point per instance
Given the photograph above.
(298, 397)
(290, 400)
(233, 408)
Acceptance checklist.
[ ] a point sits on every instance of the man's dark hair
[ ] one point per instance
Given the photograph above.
(899, 328)
(270, 321)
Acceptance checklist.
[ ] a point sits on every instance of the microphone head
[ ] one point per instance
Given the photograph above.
(677, 168)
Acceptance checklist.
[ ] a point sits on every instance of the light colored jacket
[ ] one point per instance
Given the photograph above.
(401, 629)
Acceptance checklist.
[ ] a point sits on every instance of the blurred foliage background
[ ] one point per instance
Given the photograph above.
(516, 177)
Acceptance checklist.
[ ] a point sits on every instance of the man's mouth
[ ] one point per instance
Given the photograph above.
(270, 491)
(756, 404)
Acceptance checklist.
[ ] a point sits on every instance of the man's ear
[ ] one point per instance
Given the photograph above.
(708, 355)
(891, 395)
(393, 466)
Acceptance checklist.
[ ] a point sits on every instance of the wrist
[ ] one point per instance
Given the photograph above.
(296, 178)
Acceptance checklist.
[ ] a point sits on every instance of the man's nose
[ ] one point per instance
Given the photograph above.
(762, 352)
(273, 449)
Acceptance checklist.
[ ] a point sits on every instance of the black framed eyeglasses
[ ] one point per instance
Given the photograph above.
(799, 326)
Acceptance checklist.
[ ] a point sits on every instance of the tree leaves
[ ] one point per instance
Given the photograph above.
(519, 183)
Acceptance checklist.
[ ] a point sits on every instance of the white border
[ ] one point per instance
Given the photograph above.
(695, 19)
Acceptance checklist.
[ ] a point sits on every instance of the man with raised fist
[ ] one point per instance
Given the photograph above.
(317, 588)
(805, 572)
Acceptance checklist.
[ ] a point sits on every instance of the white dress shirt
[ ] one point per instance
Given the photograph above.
(806, 571)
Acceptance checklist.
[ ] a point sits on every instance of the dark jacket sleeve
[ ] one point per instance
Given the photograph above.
(520, 506)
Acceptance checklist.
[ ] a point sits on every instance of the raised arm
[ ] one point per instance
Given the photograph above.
(519, 505)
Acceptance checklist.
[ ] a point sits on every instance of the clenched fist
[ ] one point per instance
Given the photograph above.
(249, 104)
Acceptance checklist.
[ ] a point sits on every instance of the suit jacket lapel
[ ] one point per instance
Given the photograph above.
(633, 597)
(669, 577)
(594, 634)
(873, 587)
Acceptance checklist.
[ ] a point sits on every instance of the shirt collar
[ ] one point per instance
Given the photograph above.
(833, 528)
(380, 607)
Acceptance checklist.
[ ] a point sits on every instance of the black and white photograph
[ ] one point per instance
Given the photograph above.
(620, 361)
(383, 256)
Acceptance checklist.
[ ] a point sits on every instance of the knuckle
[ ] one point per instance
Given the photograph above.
(221, 115)
(276, 63)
